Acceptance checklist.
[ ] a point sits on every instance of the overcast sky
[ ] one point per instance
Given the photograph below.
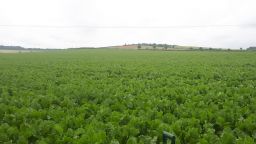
(77, 23)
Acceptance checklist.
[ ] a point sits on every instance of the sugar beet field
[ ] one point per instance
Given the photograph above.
(128, 96)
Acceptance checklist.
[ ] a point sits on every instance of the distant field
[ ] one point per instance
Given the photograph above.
(14, 51)
(128, 96)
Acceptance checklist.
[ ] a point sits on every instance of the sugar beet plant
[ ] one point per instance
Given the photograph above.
(127, 96)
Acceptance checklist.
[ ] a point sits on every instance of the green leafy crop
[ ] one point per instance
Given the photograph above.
(128, 96)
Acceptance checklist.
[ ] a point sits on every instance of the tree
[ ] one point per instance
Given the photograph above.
(165, 47)
(154, 46)
(139, 46)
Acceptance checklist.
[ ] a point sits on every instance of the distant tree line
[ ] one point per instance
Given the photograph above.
(154, 45)
(158, 45)
(2, 47)
(11, 47)
(251, 48)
